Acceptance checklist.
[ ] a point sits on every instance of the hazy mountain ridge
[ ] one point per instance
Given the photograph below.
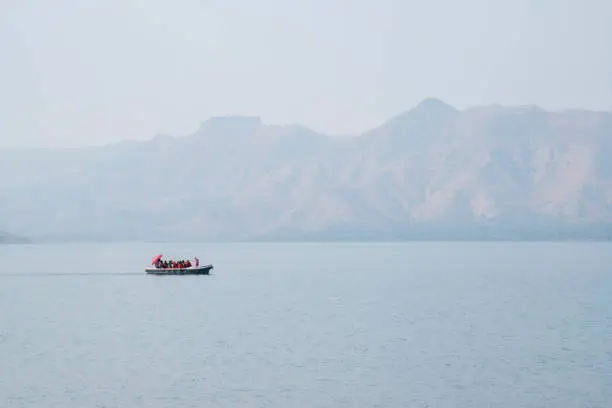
(6, 238)
(235, 178)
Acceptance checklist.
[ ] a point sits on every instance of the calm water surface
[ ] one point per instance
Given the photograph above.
(438, 325)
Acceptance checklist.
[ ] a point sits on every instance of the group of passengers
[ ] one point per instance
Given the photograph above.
(176, 264)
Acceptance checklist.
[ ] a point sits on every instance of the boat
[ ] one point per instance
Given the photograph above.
(192, 270)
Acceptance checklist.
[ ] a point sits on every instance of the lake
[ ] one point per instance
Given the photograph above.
(437, 325)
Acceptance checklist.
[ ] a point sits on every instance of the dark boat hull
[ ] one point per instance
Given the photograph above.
(194, 270)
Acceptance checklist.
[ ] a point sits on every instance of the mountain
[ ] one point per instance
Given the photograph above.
(433, 172)
(6, 238)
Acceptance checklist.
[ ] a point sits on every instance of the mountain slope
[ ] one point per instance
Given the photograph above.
(433, 167)
(6, 238)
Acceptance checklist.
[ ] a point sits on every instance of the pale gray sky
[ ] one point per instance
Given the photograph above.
(85, 72)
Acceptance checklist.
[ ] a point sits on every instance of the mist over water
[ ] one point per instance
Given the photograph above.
(321, 325)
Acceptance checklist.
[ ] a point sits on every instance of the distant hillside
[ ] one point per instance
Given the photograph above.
(434, 171)
(6, 238)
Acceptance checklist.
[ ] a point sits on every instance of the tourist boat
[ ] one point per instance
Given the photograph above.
(190, 270)
(193, 270)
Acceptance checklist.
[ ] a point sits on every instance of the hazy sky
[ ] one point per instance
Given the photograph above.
(86, 72)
